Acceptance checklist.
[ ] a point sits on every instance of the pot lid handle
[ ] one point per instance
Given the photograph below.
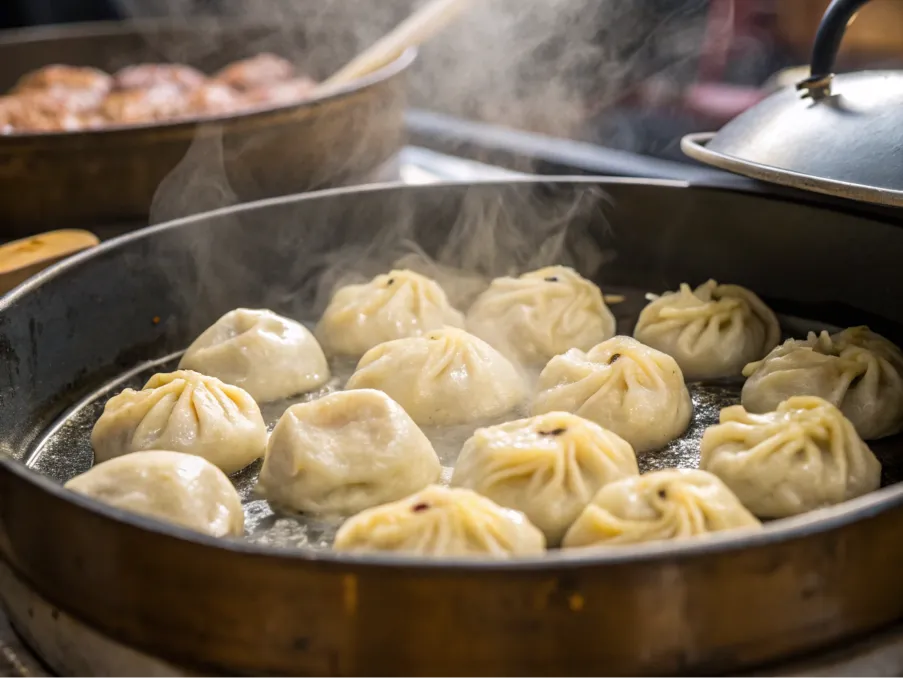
(827, 42)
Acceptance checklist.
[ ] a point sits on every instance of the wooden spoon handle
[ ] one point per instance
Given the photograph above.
(21, 259)
(412, 32)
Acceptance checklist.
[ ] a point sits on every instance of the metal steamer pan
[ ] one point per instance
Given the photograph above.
(112, 175)
(711, 605)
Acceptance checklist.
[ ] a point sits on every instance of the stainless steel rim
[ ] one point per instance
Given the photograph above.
(696, 146)
(815, 522)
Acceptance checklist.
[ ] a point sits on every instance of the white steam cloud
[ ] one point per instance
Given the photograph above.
(541, 65)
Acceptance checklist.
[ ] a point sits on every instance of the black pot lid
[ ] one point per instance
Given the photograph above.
(841, 135)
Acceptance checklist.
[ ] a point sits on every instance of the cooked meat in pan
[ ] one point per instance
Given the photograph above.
(258, 71)
(144, 76)
(64, 77)
(73, 98)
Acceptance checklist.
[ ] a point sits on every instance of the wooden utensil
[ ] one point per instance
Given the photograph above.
(21, 259)
(413, 31)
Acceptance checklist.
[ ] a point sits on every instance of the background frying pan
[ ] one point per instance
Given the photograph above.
(91, 178)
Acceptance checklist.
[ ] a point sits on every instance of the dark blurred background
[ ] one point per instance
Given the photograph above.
(21, 13)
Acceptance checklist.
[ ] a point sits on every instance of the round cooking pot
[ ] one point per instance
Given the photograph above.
(835, 134)
(114, 175)
(711, 605)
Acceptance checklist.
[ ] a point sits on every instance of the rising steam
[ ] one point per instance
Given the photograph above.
(542, 65)
(532, 64)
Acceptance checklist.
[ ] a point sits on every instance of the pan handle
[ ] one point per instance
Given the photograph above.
(827, 43)
(21, 259)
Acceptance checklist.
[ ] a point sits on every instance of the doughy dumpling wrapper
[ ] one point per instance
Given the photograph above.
(393, 306)
(712, 331)
(345, 452)
(541, 314)
(628, 388)
(445, 377)
(549, 467)
(269, 356)
(177, 488)
(441, 521)
(671, 504)
(856, 370)
(184, 412)
(804, 456)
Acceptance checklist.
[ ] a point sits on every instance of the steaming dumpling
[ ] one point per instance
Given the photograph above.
(184, 412)
(856, 370)
(442, 522)
(712, 331)
(622, 385)
(541, 314)
(346, 452)
(671, 504)
(803, 456)
(177, 488)
(446, 377)
(269, 356)
(393, 306)
(549, 467)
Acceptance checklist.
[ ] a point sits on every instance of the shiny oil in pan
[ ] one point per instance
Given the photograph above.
(65, 451)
